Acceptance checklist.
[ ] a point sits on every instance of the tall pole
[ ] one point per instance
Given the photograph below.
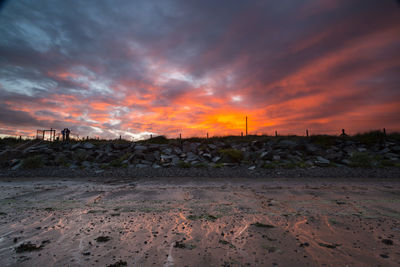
(246, 125)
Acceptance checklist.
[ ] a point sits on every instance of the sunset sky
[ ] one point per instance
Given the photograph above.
(131, 68)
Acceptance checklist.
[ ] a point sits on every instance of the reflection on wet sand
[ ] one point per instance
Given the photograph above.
(212, 222)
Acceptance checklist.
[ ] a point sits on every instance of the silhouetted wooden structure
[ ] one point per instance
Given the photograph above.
(41, 134)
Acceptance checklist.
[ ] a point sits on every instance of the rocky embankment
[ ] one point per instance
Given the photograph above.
(270, 153)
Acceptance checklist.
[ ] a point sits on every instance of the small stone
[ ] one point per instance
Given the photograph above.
(215, 159)
(388, 242)
(322, 161)
(276, 157)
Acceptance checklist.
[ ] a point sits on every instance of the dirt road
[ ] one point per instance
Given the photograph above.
(199, 222)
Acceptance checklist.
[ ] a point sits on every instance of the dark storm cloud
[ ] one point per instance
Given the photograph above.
(15, 117)
(82, 60)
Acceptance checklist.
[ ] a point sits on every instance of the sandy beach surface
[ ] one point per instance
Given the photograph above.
(199, 222)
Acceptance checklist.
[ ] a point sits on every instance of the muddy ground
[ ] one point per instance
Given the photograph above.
(199, 222)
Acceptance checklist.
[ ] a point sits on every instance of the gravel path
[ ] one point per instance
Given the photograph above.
(227, 172)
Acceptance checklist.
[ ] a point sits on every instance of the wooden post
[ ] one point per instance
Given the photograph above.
(180, 136)
(43, 133)
(343, 133)
(307, 132)
(242, 134)
(276, 133)
(207, 135)
(151, 136)
(246, 125)
(384, 132)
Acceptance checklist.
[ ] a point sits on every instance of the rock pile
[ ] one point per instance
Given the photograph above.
(296, 152)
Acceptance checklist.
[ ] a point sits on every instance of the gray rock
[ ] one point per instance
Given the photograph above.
(265, 155)
(14, 162)
(167, 151)
(156, 155)
(76, 146)
(140, 148)
(191, 156)
(335, 156)
(48, 151)
(212, 146)
(322, 161)
(287, 144)
(121, 146)
(149, 157)
(252, 167)
(73, 166)
(385, 150)
(17, 166)
(207, 156)
(165, 158)
(153, 147)
(88, 145)
(141, 165)
(149, 163)
(86, 164)
(189, 147)
(215, 159)
(390, 155)
(346, 161)
(177, 150)
(310, 148)
(175, 160)
(276, 157)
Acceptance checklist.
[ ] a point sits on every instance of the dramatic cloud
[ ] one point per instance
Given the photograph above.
(132, 68)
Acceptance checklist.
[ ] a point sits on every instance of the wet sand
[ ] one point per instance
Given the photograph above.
(199, 222)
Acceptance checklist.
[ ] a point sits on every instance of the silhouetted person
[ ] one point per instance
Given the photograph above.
(67, 131)
(63, 134)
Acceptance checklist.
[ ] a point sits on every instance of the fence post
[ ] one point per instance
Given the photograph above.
(207, 135)
(307, 132)
(384, 132)
(276, 133)
(151, 136)
(246, 125)
(180, 136)
(242, 134)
